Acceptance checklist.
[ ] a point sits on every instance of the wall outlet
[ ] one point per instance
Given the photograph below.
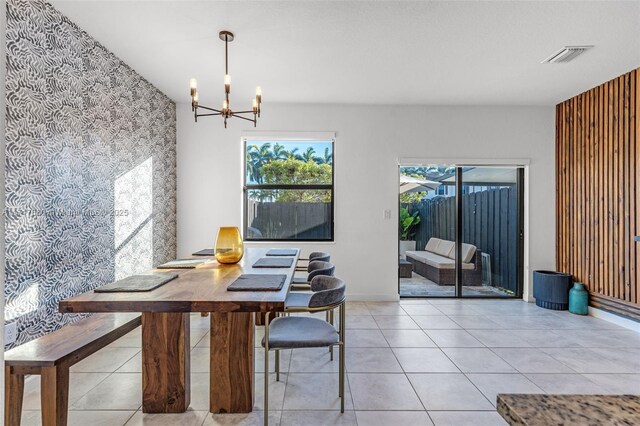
(387, 214)
(10, 333)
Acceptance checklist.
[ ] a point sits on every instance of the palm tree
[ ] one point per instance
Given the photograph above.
(292, 155)
(279, 152)
(256, 158)
(309, 155)
(328, 156)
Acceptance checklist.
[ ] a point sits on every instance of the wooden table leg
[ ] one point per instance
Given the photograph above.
(166, 362)
(232, 368)
(54, 394)
(13, 394)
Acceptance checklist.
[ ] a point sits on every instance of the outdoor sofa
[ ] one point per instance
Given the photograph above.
(437, 262)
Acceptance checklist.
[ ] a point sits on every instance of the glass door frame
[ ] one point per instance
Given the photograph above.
(459, 220)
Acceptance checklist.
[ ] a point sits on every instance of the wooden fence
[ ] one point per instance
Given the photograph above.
(304, 221)
(490, 222)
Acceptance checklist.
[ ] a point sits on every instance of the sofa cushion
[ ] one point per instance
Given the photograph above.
(435, 260)
(468, 250)
(432, 244)
(444, 248)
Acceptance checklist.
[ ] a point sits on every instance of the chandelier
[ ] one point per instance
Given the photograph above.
(226, 112)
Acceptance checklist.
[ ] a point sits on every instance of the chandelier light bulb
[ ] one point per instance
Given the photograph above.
(193, 84)
(255, 105)
(227, 80)
(258, 91)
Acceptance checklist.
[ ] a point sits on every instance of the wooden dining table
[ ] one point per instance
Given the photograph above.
(165, 331)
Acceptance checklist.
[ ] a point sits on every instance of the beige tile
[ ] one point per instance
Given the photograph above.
(285, 360)
(199, 392)
(395, 322)
(360, 321)
(119, 391)
(453, 339)
(134, 365)
(318, 418)
(131, 340)
(626, 384)
(383, 392)
(467, 418)
(408, 339)
(307, 391)
(424, 360)
(83, 418)
(448, 392)
(421, 310)
(387, 418)
(565, 384)
(435, 322)
(255, 418)
(499, 338)
(384, 308)
(314, 360)
(531, 360)
(584, 360)
(200, 360)
(475, 322)
(477, 360)
(197, 335)
(372, 360)
(276, 391)
(493, 384)
(357, 308)
(365, 339)
(196, 320)
(106, 360)
(79, 385)
(189, 418)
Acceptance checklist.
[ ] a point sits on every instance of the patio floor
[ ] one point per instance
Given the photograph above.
(418, 285)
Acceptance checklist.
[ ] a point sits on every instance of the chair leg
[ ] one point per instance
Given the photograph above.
(13, 395)
(342, 355)
(266, 371)
(277, 360)
(55, 395)
(330, 321)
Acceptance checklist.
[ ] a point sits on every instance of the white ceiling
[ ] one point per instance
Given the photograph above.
(378, 52)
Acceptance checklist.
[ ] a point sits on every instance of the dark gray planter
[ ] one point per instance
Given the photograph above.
(551, 289)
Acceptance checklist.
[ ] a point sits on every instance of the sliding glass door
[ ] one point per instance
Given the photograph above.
(461, 231)
(491, 234)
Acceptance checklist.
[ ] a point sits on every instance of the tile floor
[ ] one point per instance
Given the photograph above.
(416, 362)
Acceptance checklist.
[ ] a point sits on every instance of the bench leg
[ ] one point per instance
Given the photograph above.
(13, 393)
(166, 361)
(54, 393)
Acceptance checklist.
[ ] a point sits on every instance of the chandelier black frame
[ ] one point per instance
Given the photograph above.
(226, 112)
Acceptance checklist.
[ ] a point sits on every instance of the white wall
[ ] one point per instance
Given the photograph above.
(370, 140)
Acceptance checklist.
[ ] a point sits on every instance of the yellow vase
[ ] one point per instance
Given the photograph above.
(229, 247)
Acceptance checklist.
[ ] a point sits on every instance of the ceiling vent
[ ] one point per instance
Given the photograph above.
(566, 54)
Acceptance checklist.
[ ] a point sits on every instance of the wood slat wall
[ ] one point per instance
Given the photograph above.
(598, 197)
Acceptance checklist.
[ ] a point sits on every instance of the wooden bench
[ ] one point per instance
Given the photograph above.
(51, 356)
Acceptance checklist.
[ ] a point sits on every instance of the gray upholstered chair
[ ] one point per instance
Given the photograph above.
(296, 332)
(315, 268)
(314, 255)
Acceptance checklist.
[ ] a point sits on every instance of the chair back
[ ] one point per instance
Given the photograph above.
(318, 267)
(327, 291)
(319, 255)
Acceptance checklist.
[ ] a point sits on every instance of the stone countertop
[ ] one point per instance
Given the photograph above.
(543, 410)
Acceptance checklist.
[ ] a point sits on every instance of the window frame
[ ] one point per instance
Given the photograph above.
(246, 187)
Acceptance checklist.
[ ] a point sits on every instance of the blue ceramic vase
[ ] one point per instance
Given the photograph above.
(578, 300)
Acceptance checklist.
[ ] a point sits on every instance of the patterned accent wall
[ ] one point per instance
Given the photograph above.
(90, 168)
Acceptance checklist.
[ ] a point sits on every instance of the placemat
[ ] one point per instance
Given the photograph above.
(136, 283)
(282, 252)
(258, 282)
(204, 252)
(274, 262)
(182, 264)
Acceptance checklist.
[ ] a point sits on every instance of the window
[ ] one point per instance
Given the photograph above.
(288, 192)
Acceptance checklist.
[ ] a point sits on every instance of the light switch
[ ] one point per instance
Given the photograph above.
(387, 214)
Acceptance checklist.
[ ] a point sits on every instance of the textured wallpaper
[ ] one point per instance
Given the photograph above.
(90, 168)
